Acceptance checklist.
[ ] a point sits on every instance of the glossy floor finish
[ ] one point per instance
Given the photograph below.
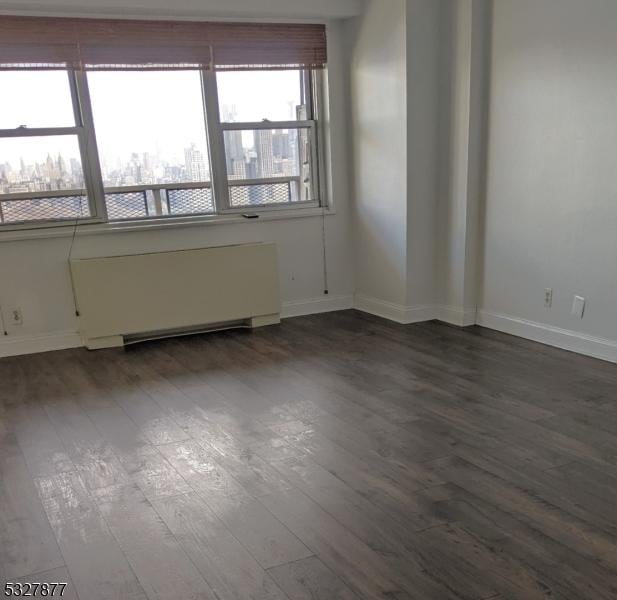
(334, 457)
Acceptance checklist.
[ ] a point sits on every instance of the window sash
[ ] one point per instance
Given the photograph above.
(275, 125)
(84, 133)
(219, 183)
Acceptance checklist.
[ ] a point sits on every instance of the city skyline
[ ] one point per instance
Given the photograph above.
(263, 153)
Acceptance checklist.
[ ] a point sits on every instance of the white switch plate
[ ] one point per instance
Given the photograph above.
(578, 307)
(548, 297)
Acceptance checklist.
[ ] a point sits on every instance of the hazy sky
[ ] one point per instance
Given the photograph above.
(157, 112)
(35, 99)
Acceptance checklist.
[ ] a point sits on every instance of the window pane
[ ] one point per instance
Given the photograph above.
(48, 171)
(253, 154)
(252, 96)
(40, 164)
(268, 154)
(150, 127)
(35, 99)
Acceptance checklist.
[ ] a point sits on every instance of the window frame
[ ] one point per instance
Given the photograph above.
(83, 130)
(310, 85)
(219, 182)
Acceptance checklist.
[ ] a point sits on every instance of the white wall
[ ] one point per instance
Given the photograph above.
(395, 49)
(377, 43)
(427, 35)
(463, 135)
(34, 273)
(551, 211)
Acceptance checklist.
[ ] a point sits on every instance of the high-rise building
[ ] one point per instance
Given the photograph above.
(229, 113)
(49, 167)
(234, 150)
(196, 169)
(265, 154)
(61, 165)
(280, 144)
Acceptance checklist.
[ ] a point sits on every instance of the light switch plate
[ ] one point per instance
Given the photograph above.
(578, 307)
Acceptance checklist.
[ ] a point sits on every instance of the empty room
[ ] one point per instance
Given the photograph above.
(308, 299)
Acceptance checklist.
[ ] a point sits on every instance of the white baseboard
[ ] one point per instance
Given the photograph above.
(394, 312)
(552, 336)
(31, 344)
(406, 315)
(313, 306)
(456, 315)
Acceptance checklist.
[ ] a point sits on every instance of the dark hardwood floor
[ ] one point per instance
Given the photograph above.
(333, 457)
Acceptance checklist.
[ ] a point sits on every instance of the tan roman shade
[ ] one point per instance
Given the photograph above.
(102, 44)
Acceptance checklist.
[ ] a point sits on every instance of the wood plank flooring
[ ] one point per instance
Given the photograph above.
(333, 457)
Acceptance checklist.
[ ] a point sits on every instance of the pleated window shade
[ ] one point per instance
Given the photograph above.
(105, 44)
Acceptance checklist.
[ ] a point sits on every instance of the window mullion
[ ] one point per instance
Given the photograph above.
(216, 142)
(87, 143)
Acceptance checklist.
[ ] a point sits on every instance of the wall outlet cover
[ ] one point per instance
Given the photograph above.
(16, 316)
(578, 307)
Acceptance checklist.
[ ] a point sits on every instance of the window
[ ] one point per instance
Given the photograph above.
(151, 136)
(155, 120)
(41, 172)
(269, 136)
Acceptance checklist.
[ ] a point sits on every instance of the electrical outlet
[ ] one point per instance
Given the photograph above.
(578, 307)
(17, 318)
(548, 297)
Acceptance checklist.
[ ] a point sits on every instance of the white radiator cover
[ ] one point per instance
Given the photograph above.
(161, 292)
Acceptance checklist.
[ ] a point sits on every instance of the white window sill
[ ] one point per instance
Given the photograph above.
(67, 230)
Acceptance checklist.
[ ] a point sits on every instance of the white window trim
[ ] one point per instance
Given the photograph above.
(98, 222)
(66, 230)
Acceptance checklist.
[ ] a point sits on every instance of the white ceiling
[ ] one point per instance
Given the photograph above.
(255, 9)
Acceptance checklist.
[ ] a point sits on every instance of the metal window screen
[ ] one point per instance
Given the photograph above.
(191, 201)
(44, 209)
(260, 194)
(126, 205)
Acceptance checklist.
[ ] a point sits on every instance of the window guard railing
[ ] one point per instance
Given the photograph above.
(160, 200)
(157, 199)
(53, 213)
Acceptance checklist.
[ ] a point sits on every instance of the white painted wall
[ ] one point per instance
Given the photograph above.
(551, 211)
(427, 35)
(395, 51)
(377, 45)
(34, 273)
(463, 133)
